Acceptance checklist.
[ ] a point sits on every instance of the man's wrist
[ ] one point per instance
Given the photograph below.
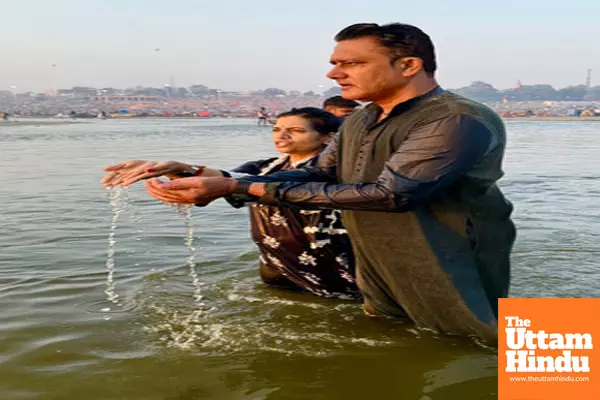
(240, 186)
(243, 187)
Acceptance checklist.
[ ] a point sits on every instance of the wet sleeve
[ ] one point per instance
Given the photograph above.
(430, 159)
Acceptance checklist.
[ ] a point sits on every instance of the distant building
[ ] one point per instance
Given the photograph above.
(114, 99)
(589, 112)
(65, 93)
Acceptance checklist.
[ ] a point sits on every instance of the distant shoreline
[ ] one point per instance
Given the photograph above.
(25, 121)
(553, 119)
(35, 123)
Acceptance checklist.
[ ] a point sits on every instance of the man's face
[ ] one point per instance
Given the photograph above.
(340, 112)
(363, 70)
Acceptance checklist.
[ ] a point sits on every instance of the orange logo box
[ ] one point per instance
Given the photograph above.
(549, 349)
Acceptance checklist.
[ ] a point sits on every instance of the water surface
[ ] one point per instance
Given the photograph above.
(61, 336)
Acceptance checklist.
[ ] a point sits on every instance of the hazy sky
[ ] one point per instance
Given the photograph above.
(252, 44)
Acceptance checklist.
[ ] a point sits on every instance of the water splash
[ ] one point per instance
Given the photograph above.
(186, 211)
(256, 332)
(183, 330)
(117, 197)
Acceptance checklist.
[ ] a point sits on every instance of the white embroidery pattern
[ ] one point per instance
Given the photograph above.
(271, 242)
(311, 229)
(333, 217)
(317, 244)
(309, 212)
(345, 275)
(307, 259)
(278, 220)
(321, 229)
(332, 231)
(275, 261)
(312, 278)
(327, 230)
(342, 259)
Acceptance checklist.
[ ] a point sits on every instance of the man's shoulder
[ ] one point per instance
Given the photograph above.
(449, 105)
(457, 104)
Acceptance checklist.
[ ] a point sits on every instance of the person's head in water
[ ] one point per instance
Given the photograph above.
(304, 132)
(378, 62)
(339, 106)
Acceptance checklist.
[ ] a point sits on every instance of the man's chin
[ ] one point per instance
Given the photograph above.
(352, 94)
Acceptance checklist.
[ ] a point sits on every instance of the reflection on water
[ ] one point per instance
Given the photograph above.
(192, 319)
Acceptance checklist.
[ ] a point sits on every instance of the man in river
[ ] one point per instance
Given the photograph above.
(415, 174)
(262, 116)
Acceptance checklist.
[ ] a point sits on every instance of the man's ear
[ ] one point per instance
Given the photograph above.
(410, 65)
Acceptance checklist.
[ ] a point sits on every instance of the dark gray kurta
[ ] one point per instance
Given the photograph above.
(430, 229)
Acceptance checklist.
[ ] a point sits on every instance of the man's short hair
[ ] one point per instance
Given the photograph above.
(401, 40)
(339, 101)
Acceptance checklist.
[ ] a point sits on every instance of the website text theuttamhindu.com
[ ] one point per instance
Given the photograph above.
(531, 378)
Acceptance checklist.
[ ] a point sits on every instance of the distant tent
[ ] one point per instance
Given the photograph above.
(123, 111)
(204, 114)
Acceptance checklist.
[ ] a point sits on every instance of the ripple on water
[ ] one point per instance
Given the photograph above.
(259, 319)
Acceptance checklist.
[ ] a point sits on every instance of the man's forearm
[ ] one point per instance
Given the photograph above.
(297, 175)
(241, 197)
(321, 195)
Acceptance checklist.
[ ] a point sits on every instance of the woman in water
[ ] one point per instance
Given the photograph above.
(305, 250)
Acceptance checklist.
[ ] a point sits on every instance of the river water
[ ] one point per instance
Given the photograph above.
(199, 324)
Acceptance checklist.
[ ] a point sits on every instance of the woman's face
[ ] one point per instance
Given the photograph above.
(294, 135)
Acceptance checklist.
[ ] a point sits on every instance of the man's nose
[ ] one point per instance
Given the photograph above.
(335, 73)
